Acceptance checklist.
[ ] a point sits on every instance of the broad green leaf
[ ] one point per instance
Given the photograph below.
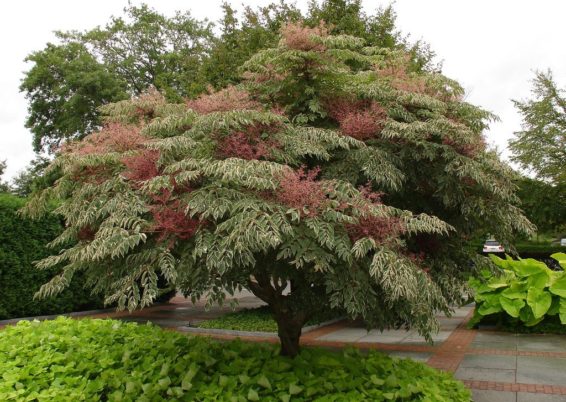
(529, 266)
(264, 382)
(554, 307)
(294, 389)
(539, 301)
(515, 291)
(539, 281)
(498, 282)
(559, 286)
(562, 311)
(512, 306)
(253, 395)
(487, 309)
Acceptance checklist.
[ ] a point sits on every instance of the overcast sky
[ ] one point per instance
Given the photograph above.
(491, 47)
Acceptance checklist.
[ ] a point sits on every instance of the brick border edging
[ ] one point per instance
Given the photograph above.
(515, 387)
(451, 352)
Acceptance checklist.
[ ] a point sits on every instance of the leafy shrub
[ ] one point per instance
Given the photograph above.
(23, 241)
(526, 289)
(70, 360)
(258, 319)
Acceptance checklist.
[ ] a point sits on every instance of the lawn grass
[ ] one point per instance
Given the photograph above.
(258, 319)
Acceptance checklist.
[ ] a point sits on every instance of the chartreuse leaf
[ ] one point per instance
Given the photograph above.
(562, 311)
(264, 382)
(529, 266)
(294, 389)
(561, 258)
(517, 290)
(554, 307)
(512, 306)
(539, 301)
(253, 395)
(559, 286)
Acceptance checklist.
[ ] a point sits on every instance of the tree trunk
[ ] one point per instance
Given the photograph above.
(289, 331)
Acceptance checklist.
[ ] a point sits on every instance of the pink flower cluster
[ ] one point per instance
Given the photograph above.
(230, 98)
(300, 189)
(248, 144)
(299, 37)
(358, 119)
(114, 137)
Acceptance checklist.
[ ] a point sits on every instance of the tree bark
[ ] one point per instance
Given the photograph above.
(289, 315)
(289, 331)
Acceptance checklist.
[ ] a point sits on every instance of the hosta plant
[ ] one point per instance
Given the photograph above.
(525, 289)
(333, 177)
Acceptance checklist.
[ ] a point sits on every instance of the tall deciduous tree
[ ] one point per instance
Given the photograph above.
(540, 146)
(334, 176)
(64, 88)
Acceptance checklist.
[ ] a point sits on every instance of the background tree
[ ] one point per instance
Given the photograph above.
(540, 146)
(544, 204)
(4, 187)
(179, 56)
(33, 178)
(64, 88)
(334, 176)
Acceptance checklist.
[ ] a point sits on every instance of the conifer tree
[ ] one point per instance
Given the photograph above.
(332, 177)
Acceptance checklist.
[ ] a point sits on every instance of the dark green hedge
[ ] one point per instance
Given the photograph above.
(23, 241)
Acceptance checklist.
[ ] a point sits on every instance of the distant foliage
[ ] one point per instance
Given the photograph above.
(539, 146)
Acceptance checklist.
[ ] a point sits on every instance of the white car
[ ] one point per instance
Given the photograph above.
(492, 246)
(563, 242)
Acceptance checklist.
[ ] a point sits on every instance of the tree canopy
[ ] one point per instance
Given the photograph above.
(540, 147)
(4, 187)
(544, 204)
(179, 55)
(333, 176)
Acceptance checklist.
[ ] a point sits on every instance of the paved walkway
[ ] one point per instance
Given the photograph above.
(498, 367)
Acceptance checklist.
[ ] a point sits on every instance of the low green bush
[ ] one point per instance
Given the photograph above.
(258, 319)
(72, 360)
(525, 289)
(23, 241)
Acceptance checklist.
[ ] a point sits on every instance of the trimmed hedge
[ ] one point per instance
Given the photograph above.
(93, 360)
(23, 241)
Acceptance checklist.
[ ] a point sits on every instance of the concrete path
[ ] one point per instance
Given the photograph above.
(497, 366)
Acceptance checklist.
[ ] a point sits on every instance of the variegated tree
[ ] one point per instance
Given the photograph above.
(333, 177)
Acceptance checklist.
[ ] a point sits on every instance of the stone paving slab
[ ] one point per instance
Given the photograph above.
(480, 395)
(541, 343)
(489, 362)
(485, 374)
(541, 370)
(530, 397)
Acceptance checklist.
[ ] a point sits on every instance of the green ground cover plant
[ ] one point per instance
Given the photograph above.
(259, 319)
(524, 289)
(71, 360)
